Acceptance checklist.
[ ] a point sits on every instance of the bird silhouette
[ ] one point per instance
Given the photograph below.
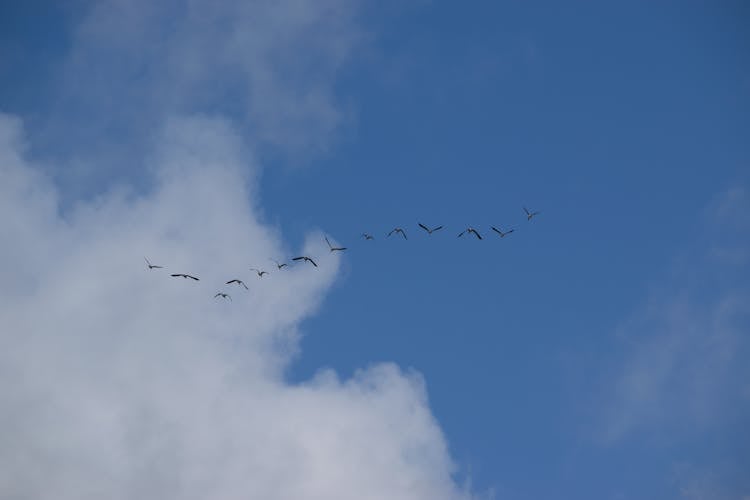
(180, 275)
(279, 265)
(429, 231)
(259, 272)
(367, 236)
(529, 214)
(502, 234)
(239, 282)
(306, 259)
(333, 248)
(151, 266)
(223, 295)
(398, 230)
(470, 230)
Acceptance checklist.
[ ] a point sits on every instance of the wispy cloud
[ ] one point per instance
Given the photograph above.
(685, 348)
(268, 66)
(683, 376)
(120, 382)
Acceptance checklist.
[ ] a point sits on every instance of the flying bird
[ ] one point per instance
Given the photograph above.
(367, 236)
(502, 234)
(279, 265)
(239, 282)
(151, 266)
(429, 231)
(180, 275)
(259, 272)
(398, 230)
(470, 230)
(223, 295)
(333, 248)
(307, 259)
(529, 215)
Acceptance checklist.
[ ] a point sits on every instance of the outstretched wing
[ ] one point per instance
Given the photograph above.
(437, 228)
(423, 227)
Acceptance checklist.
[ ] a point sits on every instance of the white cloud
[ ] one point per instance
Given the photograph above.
(269, 66)
(119, 382)
(684, 365)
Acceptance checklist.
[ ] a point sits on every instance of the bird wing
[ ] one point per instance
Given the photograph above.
(423, 227)
(392, 231)
(192, 277)
(147, 262)
(497, 230)
(437, 228)
(177, 275)
(526, 210)
(403, 233)
(460, 234)
(298, 258)
(217, 295)
(312, 262)
(476, 234)
(329, 243)
(243, 284)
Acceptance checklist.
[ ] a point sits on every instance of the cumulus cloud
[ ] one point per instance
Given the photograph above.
(120, 382)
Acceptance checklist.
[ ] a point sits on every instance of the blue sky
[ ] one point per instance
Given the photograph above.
(597, 352)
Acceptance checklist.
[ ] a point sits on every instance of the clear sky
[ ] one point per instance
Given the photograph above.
(597, 352)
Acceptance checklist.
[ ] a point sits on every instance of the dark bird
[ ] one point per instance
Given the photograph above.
(429, 231)
(470, 230)
(333, 248)
(307, 259)
(239, 282)
(184, 276)
(151, 266)
(279, 265)
(398, 230)
(223, 295)
(367, 236)
(502, 234)
(529, 215)
(259, 272)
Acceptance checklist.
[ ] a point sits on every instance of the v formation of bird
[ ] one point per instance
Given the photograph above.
(367, 236)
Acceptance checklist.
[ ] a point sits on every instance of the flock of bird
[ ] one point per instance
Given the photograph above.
(304, 258)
